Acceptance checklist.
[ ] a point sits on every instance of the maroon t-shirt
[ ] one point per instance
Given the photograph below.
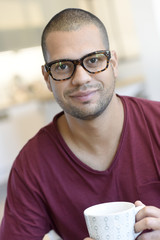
(49, 187)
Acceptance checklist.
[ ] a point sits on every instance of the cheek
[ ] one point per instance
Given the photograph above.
(58, 89)
(105, 77)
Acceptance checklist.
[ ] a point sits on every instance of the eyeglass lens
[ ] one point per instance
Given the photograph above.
(93, 63)
(62, 70)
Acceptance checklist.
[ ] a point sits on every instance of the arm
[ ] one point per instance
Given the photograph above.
(148, 219)
(25, 216)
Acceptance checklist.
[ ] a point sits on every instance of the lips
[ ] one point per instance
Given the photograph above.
(83, 96)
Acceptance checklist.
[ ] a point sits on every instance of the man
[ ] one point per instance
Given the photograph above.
(102, 148)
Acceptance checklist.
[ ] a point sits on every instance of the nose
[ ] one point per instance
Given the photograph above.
(80, 76)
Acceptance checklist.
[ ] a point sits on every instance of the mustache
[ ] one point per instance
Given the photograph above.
(85, 87)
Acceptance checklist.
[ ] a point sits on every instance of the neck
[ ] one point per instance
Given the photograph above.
(97, 135)
(108, 122)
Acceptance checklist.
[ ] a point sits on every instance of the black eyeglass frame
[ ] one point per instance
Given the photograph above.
(76, 62)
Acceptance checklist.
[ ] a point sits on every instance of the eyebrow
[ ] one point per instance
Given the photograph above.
(68, 59)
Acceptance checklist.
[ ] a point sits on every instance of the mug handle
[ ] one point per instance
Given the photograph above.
(137, 209)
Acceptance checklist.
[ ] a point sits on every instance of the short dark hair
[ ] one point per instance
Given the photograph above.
(71, 19)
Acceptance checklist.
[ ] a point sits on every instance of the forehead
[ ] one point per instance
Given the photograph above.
(74, 44)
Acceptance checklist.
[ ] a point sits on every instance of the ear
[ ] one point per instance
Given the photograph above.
(46, 77)
(114, 63)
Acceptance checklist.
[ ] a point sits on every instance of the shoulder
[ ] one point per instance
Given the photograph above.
(37, 150)
(143, 115)
(47, 134)
(145, 106)
(38, 160)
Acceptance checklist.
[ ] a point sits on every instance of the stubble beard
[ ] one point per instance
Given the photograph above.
(87, 111)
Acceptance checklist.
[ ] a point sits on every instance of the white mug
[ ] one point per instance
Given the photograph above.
(112, 221)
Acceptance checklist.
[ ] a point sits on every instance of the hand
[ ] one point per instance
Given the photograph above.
(148, 218)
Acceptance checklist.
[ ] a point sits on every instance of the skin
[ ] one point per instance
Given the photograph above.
(92, 110)
(148, 218)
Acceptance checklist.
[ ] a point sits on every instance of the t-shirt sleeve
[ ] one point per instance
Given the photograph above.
(25, 215)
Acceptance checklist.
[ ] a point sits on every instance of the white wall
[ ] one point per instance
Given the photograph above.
(147, 23)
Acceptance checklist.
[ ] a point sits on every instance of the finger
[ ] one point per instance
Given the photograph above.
(88, 238)
(139, 203)
(148, 211)
(151, 235)
(148, 223)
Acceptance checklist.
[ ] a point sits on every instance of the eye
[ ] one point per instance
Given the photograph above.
(61, 66)
(93, 60)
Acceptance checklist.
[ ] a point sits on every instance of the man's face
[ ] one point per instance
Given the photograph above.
(85, 95)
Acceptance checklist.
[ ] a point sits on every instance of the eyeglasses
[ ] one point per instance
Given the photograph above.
(93, 63)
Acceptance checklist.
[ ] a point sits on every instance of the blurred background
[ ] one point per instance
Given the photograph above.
(25, 103)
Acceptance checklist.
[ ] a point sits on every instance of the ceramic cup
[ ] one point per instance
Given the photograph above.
(112, 221)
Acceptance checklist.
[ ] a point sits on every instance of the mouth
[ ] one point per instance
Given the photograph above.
(83, 96)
